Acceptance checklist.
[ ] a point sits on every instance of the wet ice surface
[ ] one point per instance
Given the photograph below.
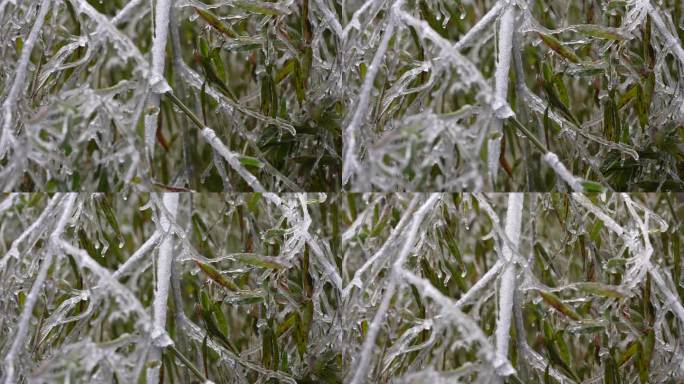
(242, 288)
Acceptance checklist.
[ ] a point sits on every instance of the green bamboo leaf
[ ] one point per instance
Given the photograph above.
(213, 76)
(600, 31)
(201, 230)
(628, 353)
(647, 345)
(106, 208)
(287, 68)
(260, 261)
(250, 161)
(541, 251)
(644, 98)
(21, 299)
(557, 103)
(205, 354)
(381, 225)
(600, 289)
(216, 276)
(217, 24)
(559, 305)
(677, 260)
(554, 353)
(260, 7)
(559, 48)
(299, 81)
(547, 376)
(88, 245)
(431, 275)
(18, 45)
(561, 89)
(213, 330)
(427, 15)
(288, 322)
(253, 202)
(610, 371)
(595, 233)
(220, 319)
(562, 347)
(628, 96)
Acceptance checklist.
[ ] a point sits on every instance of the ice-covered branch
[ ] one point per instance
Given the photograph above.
(382, 252)
(672, 41)
(161, 292)
(552, 160)
(365, 357)
(352, 130)
(137, 256)
(210, 137)
(599, 213)
(19, 79)
(479, 27)
(38, 226)
(157, 81)
(232, 159)
(507, 288)
(470, 329)
(30, 302)
(500, 106)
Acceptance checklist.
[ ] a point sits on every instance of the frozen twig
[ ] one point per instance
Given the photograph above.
(500, 105)
(507, 288)
(672, 41)
(672, 300)
(364, 358)
(642, 251)
(196, 333)
(480, 26)
(490, 275)
(469, 328)
(232, 159)
(210, 137)
(599, 213)
(19, 79)
(161, 293)
(157, 82)
(380, 254)
(351, 131)
(37, 226)
(30, 301)
(552, 160)
(137, 256)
